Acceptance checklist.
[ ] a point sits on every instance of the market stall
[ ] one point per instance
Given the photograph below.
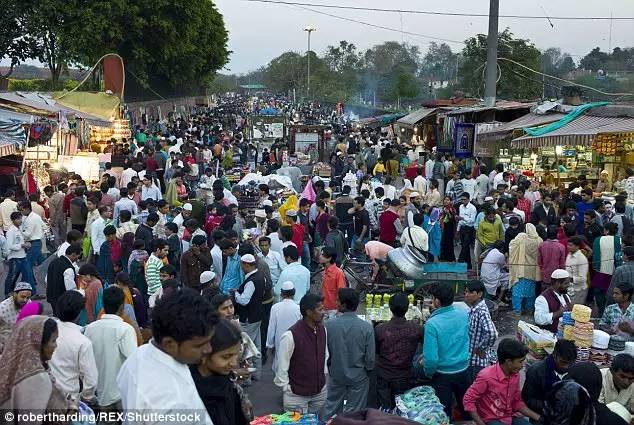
(421, 127)
(307, 143)
(597, 139)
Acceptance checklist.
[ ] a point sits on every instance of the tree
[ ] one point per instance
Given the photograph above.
(556, 63)
(439, 63)
(54, 29)
(170, 46)
(287, 72)
(383, 61)
(14, 46)
(404, 84)
(514, 81)
(594, 60)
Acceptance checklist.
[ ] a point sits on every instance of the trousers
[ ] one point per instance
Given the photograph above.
(467, 237)
(450, 385)
(305, 404)
(253, 331)
(18, 267)
(387, 390)
(355, 396)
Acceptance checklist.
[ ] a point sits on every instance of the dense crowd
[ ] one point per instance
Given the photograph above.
(171, 288)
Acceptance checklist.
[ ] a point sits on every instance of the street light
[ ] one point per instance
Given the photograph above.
(309, 29)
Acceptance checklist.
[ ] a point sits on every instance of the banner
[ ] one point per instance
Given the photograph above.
(463, 140)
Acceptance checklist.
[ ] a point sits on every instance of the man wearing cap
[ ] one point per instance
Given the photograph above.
(248, 301)
(194, 262)
(182, 217)
(284, 314)
(10, 308)
(551, 304)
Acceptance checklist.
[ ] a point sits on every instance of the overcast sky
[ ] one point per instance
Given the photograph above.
(259, 32)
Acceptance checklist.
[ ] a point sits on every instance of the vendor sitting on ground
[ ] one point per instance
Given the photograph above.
(542, 375)
(617, 382)
(618, 318)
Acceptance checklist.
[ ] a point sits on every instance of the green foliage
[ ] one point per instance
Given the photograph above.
(439, 63)
(14, 47)
(514, 82)
(608, 85)
(40, 84)
(619, 60)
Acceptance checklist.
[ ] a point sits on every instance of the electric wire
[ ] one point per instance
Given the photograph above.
(458, 14)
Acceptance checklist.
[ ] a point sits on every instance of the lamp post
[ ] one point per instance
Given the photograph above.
(309, 29)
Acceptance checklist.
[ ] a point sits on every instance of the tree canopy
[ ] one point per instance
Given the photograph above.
(174, 46)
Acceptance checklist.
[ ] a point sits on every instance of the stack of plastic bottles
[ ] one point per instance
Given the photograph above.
(421, 405)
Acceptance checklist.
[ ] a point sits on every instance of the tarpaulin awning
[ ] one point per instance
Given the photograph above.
(97, 106)
(381, 120)
(500, 105)
(415, 117)
(12, 137)
(578, 132)
(506, 130)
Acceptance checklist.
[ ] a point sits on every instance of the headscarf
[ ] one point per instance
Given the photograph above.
(22, 356)
(568, 403)
(32, 308)
(407, 185)
(588, 375)
(523, 255)
(291, 203)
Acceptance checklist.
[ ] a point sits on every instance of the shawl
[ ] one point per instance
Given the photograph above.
(606, 254)
(171, 195)
(447, 214)
(568, 403)
(291, 203)
(32, 308)
(309, 193)
(21, 359)
(523, 255)
(94, 300)
(139, 255)
(233, 275)
(432, 227)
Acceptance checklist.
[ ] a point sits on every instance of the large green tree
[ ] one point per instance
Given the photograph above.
(514, 82)
(287, 72)
(54, 27)
(439, 63)
(384, 64)
(14, 46)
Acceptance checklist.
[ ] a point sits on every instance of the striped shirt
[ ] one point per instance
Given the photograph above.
(482, 336)
(152, 275)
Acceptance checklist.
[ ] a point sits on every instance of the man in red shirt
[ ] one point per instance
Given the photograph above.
(333, 280)
(495, 395)
(388, 223)
(524, 204)
(298, 231)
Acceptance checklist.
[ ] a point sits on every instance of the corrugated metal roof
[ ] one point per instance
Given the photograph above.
(416, 116)
(578, 132)
(500, 105)
(529, 120)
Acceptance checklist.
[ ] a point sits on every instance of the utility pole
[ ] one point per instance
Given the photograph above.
(610, 38)
(309, 30)
(492, 54)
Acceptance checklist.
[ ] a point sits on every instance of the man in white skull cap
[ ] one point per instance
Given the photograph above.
(551, 304)
(284, 314)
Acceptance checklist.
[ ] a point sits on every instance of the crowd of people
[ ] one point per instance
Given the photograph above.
(168, 291)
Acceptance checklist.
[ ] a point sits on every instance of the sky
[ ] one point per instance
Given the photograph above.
(260, 32)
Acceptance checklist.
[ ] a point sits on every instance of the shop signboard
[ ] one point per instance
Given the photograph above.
(86, 166)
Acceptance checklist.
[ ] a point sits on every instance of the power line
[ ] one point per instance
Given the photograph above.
(377, 26)
(457, 14)
(561, 79)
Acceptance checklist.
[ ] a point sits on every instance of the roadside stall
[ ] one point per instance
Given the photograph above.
(421, 127)
(307, 144)
(595, 140)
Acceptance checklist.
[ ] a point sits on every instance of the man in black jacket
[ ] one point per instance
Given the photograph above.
(61, 275)
(545, 212)
(541, 376)
(144, 231)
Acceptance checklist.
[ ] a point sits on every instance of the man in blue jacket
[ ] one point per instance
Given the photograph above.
(446, 348)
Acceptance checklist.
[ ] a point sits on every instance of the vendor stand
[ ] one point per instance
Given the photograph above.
(307, 143)
(583, 146)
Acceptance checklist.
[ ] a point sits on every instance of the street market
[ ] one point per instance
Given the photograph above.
(265, 256)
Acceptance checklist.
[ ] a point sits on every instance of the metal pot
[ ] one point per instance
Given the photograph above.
(407, 262)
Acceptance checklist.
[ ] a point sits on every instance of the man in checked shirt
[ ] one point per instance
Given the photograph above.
(482, 332)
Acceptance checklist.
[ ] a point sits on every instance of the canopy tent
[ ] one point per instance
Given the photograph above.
(506, 130)
(381, 120)
(410, 120)
(12, 137)
(581, 131)
(98, 108)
